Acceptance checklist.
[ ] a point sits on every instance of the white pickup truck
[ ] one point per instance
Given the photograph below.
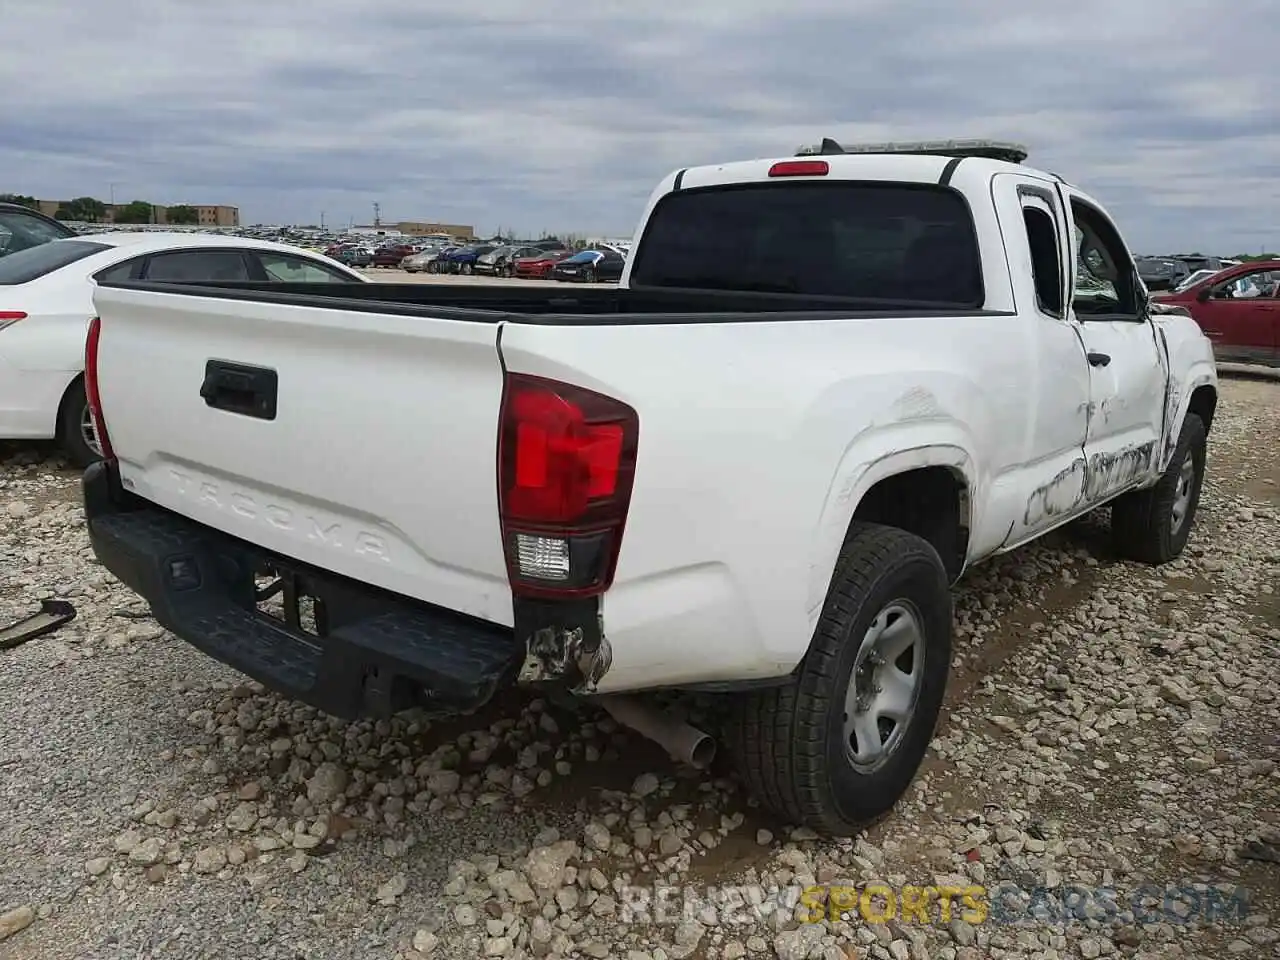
(826, 386)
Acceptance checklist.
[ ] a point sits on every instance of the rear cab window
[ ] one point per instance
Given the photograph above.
(859, 239)
(36, 262)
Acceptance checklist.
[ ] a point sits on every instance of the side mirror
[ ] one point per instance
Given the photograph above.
(1204, 295)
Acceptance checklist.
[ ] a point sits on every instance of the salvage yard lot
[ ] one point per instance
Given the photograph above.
(393, 275)
(1111, 726)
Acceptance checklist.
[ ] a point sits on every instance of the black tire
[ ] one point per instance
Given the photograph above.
(590, 276)
(466, 269)
(1144, 524)
(75, 406)
(789, 742)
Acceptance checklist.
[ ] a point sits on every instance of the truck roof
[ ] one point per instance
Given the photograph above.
(1004, 150)
(872, 163)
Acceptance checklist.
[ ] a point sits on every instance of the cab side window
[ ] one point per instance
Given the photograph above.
(1106, 285)
(1247, 286)
(1046, 259)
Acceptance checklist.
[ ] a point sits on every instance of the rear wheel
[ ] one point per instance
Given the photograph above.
(76, 431)
(839, 745)
(466, 269)
(589, 275)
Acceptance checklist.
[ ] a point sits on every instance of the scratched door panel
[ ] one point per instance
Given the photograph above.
(1126, 405)
(1127, 375)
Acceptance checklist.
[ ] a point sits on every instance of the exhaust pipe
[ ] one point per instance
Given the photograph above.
(684, 742)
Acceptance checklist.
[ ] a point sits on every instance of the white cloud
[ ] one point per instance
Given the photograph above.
(555, 116)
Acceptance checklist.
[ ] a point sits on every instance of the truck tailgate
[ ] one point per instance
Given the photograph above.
(379, 463)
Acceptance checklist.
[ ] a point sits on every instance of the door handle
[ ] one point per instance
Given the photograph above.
(240, 388)
(1099, 359)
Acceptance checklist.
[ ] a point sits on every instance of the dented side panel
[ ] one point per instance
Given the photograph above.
(1059, 497)
(1191, 368)
(1128, 395)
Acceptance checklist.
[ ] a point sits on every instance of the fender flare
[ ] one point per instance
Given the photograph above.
(875, 456)
(1202, 373)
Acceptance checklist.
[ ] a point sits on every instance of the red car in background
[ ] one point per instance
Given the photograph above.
(1238, 309)
(392, 254)
(539, 267)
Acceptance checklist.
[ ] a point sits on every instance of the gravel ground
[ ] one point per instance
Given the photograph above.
(1112, 728)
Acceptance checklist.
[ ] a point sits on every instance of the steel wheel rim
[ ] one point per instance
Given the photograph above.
(884, 686)
(1182, 493)
(89, 431)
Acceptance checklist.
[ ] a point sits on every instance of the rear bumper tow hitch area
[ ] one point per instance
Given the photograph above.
(344, 647)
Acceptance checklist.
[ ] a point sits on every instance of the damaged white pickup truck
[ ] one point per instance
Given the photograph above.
(827, 385)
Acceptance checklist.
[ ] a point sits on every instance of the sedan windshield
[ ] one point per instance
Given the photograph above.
(1193, 279)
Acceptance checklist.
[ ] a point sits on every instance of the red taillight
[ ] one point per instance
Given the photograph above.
(8, 317)
(566, 460)
(800, 168)
(91, 386)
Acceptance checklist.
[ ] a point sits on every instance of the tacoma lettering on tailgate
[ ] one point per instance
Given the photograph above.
(313, 527)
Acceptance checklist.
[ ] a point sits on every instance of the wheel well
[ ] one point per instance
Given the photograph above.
(1204, 401)
(62, 405)
(932, 503)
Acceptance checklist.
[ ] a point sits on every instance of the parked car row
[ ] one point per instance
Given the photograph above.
(1174, 271)
(540, 260)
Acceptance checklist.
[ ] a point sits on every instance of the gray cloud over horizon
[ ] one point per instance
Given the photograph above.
(535, 116)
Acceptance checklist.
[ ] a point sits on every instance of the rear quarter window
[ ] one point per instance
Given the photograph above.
(864, 240)
(36, 262)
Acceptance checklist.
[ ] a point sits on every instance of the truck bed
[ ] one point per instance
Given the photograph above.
(555, 304)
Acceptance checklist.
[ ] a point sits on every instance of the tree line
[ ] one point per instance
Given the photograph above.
(93, 210)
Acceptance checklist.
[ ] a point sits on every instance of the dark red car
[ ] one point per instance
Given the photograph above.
(391, 255)
(539, 267)
(1238, 309)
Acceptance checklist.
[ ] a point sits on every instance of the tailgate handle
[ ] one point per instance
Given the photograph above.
(240, 388)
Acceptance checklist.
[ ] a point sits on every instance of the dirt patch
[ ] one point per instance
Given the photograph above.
(1246, 462)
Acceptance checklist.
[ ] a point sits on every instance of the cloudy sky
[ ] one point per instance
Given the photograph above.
(551, 115)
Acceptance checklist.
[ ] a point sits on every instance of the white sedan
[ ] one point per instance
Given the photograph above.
(46, 303)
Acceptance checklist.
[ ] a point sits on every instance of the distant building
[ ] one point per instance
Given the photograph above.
(413, 228)
(217, 215)
(207, 215)
(373, 230)
(416, 228)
